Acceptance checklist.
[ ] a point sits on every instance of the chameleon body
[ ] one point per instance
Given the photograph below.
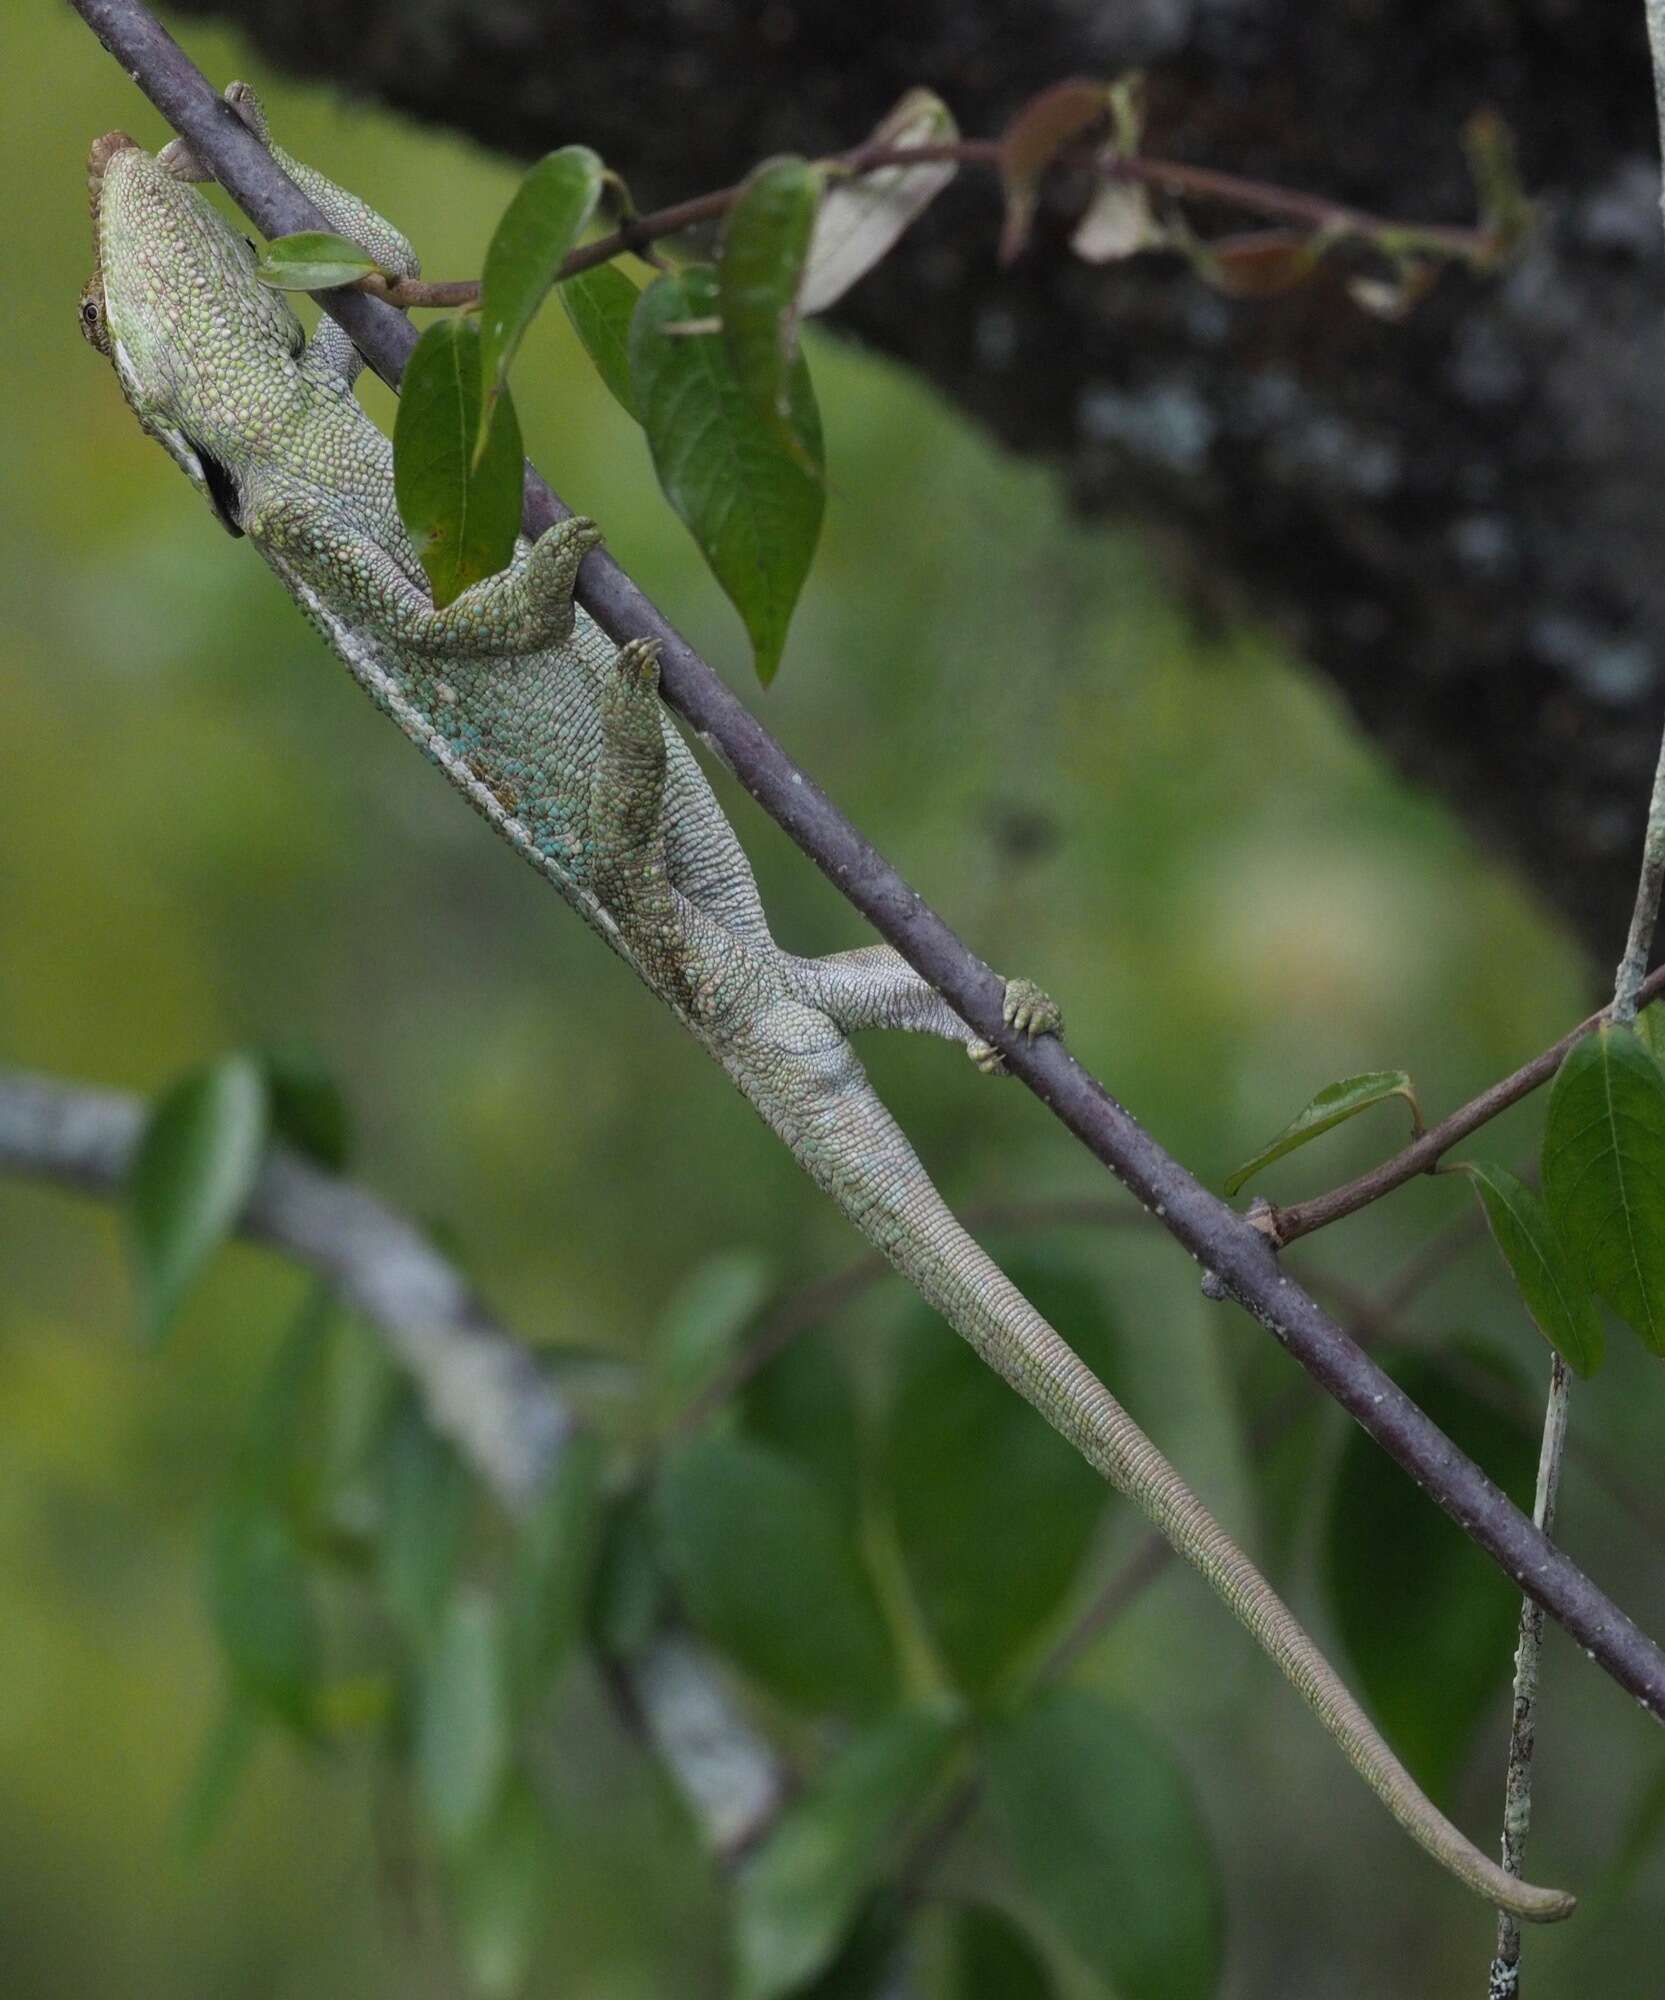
(560, 741)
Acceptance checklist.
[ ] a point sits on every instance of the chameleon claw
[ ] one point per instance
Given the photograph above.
(637, 665)
(1029, 1010)
(987, 1057)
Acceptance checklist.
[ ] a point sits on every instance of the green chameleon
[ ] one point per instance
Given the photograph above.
(561, 742)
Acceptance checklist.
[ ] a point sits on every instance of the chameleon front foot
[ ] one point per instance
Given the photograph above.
(1027, 1009)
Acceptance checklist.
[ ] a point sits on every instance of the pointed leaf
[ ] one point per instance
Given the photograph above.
(1551, 1289)
(306, 1106)
(700, 1328)
(1106, 1838)
(760, 267)
(191, 1177)
(993, 1960)
(461, 512)
(1033, 140)
(1604, 1173)
(600, 304)
(802, 1890)
(463, 1737)
(1333, 1105)
(994, 1512)
(425, 1503)
(504, 1885)
(863, 215)
(222, 1764)
(769, 1574)
(312, 260)
(262, 1610)
(545, 217)
(1428, 1622)
(743, 494)
(550, 1578)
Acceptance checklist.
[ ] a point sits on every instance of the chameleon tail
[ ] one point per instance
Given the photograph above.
(850, 1145)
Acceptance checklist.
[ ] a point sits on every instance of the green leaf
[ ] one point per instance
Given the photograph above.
(1553, 1292)
(629, 1590)
(769, 1574)
(994, 1511)
(1333, 1105)
(1106, 1838)
(1428, 1622)
(862, 216)
(751, 505)
(312, 260)
(462, 511)
(760, 268)
(544, 219)
(798, 1896)
(262, 1609)
(549, 1579)
(504, 1885)
(803, 1404)
(699, 1330)
(463, 1736)
(221, 1766)
(1650, 1030)
(191, 1177)
(600, 303)
(993, 1960)
(282, 1457)
(306, 1106)
(426, 1497)
(1604, 1173)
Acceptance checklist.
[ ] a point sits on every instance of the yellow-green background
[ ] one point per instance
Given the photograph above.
(208, 839)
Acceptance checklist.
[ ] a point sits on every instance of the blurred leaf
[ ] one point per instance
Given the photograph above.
(993, 1960)
(1395, 298)
(426, 1496)
(863, 215)
(463, 1737)
(462, 511)
(1257, 264)
(195, 1166)
(1650, 1030)
(600, 304)
(698, 1332)
(1033, 140)
(1116, 223)
(306, 1107)
(549, 1580)
(312, 260)
(504, 1885)
(262, 1609)
(769, 1574)
(545, 217)
(282, 1457)
(804, 1405)
(1332, 1106)
(868, 1962)
(1604, 1173)
(760, 267)
(798, 1895)
(743, 494)
(1504, 208)
(1106, 1838)
(1552, 1291)
(1427, 1620)
(994, 1511)
(222, 1764)
(361, 1387)
(629, 1587)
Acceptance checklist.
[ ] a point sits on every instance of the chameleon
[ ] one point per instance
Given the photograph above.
(559, 739)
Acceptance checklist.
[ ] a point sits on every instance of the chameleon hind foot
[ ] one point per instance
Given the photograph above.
(1027, 1009)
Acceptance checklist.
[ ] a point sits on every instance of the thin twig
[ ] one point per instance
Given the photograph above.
(1240, 1257)
(1423, 1155)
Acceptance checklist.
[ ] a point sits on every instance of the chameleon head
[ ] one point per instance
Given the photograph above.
(197, 342)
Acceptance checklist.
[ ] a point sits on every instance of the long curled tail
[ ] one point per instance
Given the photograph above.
(853, 1148)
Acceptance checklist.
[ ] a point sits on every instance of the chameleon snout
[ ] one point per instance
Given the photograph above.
(100, 154)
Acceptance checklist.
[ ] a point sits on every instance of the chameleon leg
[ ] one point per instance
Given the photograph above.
(876, 987)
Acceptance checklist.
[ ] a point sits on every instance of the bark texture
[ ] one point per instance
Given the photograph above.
(1456, 517)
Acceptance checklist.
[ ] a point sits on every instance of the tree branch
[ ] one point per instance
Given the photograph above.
(1238, 1254)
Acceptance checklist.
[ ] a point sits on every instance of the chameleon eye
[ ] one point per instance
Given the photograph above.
(90, 318)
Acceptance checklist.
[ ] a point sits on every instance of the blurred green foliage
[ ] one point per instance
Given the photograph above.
(210, 842)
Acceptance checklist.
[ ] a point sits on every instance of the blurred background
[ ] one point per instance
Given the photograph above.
(208, 840)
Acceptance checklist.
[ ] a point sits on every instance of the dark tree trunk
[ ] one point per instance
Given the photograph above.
(1456, 517)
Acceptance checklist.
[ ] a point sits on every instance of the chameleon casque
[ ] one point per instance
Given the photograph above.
(561, 742)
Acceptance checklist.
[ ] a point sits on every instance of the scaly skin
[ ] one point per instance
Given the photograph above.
(561, 742)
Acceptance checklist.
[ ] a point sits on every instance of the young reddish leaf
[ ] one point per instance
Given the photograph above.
(196, 1163)
(1334, 1104)
(1604, 1173)
(462, 512)
(863, 215)
(544, 219)
(599, 304)
(1259, 263)
(760, 268)
(749, 502)
(1033, 140)
(1553, 1292)
(312, 260)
